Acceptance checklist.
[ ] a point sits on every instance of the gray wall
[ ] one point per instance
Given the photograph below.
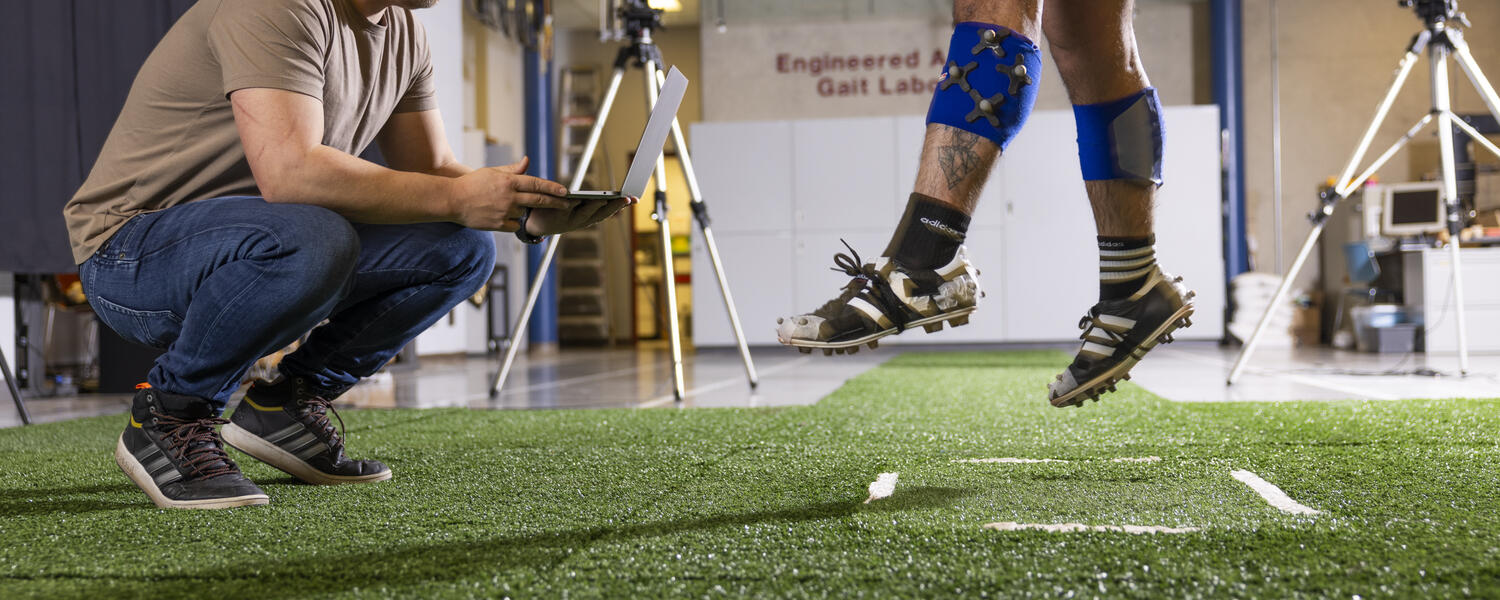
(1337, 58)
(741, 80)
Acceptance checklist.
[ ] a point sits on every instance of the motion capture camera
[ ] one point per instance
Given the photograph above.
(638, 16)
(1433, 11)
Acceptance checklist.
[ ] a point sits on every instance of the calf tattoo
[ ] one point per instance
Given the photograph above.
(958, 158)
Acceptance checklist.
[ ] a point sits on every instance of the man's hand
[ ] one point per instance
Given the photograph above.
(493, 198)
(552, 221)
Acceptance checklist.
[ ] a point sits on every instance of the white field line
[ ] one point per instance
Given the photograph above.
(1009, 460)
(883, 486)
(1076, 527)
(1272, 494)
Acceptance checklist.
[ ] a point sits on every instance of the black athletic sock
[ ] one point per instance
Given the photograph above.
(929, 234)
(1124, 264)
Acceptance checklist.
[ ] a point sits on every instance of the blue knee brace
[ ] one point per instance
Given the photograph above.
(989, 84)
(1121, 139)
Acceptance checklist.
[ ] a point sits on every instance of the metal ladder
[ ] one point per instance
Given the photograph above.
(583, 295)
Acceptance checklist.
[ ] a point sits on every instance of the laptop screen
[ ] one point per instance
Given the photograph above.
(654, 138)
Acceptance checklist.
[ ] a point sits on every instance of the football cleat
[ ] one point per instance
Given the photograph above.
(884, 298)
(1118, 333)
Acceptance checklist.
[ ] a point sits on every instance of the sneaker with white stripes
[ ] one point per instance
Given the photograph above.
(884, 298)
(285, 424)
(172, 452)
(1118, 333)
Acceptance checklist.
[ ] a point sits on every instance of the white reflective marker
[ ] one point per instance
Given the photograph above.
(883, 486)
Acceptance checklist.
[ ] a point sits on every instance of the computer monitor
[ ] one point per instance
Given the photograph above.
(1412, 209)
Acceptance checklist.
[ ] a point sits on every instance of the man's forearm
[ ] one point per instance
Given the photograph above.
(452, 169)
(363, 191)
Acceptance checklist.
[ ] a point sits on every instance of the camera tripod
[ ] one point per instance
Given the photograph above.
(15, 394)
(641, 52)
(1441, 38)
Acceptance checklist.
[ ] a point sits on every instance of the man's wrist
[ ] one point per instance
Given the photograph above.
(522, 233)
(448, 194)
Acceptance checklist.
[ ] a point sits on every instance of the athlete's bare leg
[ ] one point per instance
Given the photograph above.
(1093, 44)
(923, 279)
(955, 163)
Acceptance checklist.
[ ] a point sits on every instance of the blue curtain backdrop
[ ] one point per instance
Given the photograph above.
(65, 68)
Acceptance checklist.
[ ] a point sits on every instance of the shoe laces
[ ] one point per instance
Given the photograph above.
(865, 278)
(315, 410)
(1110, 334)
(195, 444)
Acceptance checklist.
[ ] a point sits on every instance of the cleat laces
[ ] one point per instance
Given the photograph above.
(867, 283)
(1109, 335)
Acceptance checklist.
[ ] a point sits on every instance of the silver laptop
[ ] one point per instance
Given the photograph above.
(652, 141)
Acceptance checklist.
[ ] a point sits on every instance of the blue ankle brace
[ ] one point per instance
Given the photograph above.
(989, 84)
(1121, 139)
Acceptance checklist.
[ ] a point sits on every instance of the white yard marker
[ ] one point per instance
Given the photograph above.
(1272, 494)
(883, 486)
(1009, 460)
(1076, 527)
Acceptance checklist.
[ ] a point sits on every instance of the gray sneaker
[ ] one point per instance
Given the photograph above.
(884, 298)
(171, 451)
(285, 424)
(1118, 333)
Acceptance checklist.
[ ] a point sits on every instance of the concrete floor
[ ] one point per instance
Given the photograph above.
(640, 378)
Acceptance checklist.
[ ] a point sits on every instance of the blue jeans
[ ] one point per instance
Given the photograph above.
(220, 283)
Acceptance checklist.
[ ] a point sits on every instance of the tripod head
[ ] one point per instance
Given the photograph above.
(639, 18)
(1433, 12)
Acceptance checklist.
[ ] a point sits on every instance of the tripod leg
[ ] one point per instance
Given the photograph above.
(598, 128)
(1349, 186)
(668, 275)
(1471, 69)
(1413, 52)
(15, 394)
(1407, 62)
(1276, 300)
(1440, 105)
(514, 344)
(550, 253)
(1320, 217)
(700, 214)
(1477, 137)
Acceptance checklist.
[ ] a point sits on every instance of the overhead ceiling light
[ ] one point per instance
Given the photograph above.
(666, 5)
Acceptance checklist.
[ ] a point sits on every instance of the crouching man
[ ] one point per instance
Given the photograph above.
(228, 215)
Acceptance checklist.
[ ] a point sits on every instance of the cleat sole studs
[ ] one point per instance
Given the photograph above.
(874, 345)
(828, 352)
(957, 321)
(933, 327)
(851, 350)
(804, 350)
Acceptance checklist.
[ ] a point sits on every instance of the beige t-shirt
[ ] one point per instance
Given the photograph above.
(176, 141)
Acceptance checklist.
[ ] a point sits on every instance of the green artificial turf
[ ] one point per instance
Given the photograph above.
(769, 502)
